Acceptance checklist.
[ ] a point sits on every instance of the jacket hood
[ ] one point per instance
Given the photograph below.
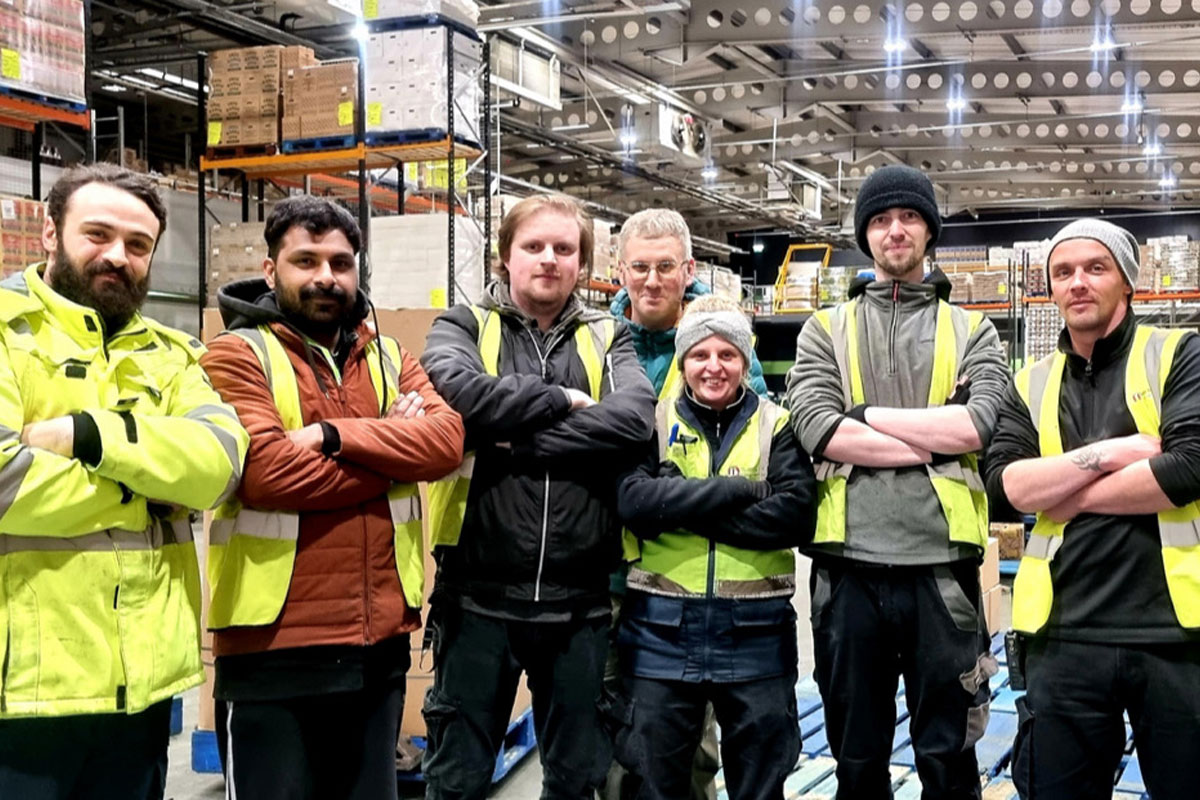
(936, 278)
(622, 306)
(250, 303)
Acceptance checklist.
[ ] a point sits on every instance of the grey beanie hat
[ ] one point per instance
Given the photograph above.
(895, 186)
(732, 326)
(1121, 243)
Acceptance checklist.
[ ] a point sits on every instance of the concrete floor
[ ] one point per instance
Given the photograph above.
(522, 783)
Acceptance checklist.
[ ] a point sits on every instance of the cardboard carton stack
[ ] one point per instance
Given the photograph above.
(997, 599)
(1033, 252)
(1043, 323)
(960, 287)
(243, 100)
(835, 284)
(723, 281)
(236, 251)
(604, 263)
(410, 254)
(42, 48)
(1178, 262)
(1147, 282)
(20, 234)
(465, 12)
(320, 99)
(407, 80)
(989, 287)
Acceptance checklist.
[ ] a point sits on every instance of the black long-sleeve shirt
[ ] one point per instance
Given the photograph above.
(1109, 580)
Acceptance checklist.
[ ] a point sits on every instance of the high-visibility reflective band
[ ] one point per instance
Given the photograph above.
(161, 534)
(260, 524)
(1179, 534)
(12, 475)
(1043, 546)
(405, 509)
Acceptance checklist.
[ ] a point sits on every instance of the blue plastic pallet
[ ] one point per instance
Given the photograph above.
(176, 716)
(518, 742)
(319, 143)
(205, 757)
(413, 136)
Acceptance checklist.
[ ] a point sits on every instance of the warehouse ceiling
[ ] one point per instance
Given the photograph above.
(1009, 105)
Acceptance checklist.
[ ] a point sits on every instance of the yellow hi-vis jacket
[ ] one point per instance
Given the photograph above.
(959, 488)
(679, 562)
(99, 586)
(448, 497)
(1146, 370)
(251, 552)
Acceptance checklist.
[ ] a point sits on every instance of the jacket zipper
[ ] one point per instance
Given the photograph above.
(537, 584)
(710, 590)
(892, 332)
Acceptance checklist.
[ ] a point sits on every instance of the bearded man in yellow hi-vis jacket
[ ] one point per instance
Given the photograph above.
(109, 434)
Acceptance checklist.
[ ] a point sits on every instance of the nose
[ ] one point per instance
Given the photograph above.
(547, 255)
(323, 276)
(896, 228)
(652, 277)
(116, 254)
(1078, 279)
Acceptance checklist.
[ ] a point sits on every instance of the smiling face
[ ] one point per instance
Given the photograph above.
(713, 369)
(543, 263)
(1088, 287)
(315, 278)
(898, 238)
(655, 274)
(102, 251)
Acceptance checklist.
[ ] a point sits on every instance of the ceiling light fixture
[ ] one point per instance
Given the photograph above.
(893, 46)
(1167, 182)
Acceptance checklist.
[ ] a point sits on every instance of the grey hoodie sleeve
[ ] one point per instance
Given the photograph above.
(984, 364)
(814, 389)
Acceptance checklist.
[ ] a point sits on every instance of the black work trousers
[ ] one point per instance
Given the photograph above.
(1072, 736)
(86, 757)
(760, 735)
(478, 662)
(336, 745)
(873, 624)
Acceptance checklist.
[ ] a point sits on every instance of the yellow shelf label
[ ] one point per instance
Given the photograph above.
(10, 64)
(346, 113)
(1001, 289)
(437, 298)
(374, 113)
(370, 9)
(1166, 280)
(214, 134)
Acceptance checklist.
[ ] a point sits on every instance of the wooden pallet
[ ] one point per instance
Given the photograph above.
(242, 150)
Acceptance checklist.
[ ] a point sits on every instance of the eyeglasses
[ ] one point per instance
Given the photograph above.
(665, 269)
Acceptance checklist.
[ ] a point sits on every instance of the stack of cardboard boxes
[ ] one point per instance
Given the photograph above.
(320, 99)
(243, 100)
(1177, 261)
(20, 234)
(465, 12)
(409, 258)
(406, 80)
(997, 599)
(236, 251)
(42, 47)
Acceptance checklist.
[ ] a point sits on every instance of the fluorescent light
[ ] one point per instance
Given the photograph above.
(1154, 149)
(1103, 45)
(1167, 182)
(1132, 105)
(360, 32)
(956, 104)
(627, 138)
(893, 46)
(709, 173)
(758, 247)
(114, 87)
(578, 127)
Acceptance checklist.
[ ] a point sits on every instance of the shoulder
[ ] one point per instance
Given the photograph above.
(173, 337)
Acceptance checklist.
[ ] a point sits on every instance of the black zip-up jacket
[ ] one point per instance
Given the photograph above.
(1109, 581)
(541, 532)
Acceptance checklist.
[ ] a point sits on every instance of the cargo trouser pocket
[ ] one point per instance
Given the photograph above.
(962, 611)
(822, 584)
(616, 717)
(1022, 753)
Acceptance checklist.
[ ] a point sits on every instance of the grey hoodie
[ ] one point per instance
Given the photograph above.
(893, 515)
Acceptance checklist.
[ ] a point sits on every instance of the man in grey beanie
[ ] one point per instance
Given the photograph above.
(1101, 440)
(893, 394)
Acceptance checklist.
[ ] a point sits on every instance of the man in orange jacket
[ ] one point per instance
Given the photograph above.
(315, 691)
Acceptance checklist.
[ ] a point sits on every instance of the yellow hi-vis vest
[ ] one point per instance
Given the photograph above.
(448, 496)
(1040, 385)
(959, 488)
(251, 552)
(682, 563)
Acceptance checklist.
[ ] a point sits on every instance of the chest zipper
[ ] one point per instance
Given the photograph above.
(892, 330)
(543, 358)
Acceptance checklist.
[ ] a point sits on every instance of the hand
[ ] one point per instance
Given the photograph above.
(56, 435)
(1118, 453)
(407, 407)
(578, 399)
(310, 437)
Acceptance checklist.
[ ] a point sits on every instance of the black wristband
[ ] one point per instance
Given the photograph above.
(332, 440)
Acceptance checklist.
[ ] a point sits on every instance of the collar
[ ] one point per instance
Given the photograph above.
(1107, 350)
(80, 322)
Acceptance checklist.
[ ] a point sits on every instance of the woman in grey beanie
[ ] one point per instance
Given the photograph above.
(718, 506)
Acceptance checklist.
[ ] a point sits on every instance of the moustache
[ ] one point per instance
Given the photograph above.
(98, 268)
(321, 293)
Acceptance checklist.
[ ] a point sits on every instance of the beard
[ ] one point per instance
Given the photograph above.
(902, 268)
(310, 309)
(115, 301)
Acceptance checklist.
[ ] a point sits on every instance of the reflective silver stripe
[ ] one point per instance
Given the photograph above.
(405, 509)
(770, 586)
(177, 531)
(955, 471)
(1179, 534)
(1043, 547)
(230, 446)
(153, 538)
(767, 417)
(202, 412)
(831, 469)
(653, 583)
(259, 524)
(12, 475)
(661, 415)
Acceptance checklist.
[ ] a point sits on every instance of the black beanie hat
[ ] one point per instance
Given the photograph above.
(895, 186)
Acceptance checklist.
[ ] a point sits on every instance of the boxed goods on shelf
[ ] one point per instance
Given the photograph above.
(960, 287)
(462, 11)
(1043, 324)
(1000, 257)
(244, 93)
(42, 47)
(604, 264)
(319, 100)
(835, 284)
(1178, 262)
(409, 257)
(723, 281)
(961, 259)
(236, 251)
(20, 233)
(1031, 258)
(407, 81)
(1147, 281)
(989, 287)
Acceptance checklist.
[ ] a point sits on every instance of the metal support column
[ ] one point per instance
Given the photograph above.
(400, 188)
(245, 198)
(360, 137)
(450, 200)
(485, 126)
(262, 211)
(35, 178)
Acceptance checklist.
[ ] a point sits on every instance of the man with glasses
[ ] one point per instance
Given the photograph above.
(659, 273)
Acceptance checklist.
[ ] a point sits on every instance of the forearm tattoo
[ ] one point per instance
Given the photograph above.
(1087, 459)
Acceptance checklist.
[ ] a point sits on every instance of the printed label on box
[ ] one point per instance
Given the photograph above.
(1166, 280)
(10, 64)
(370, 9)
(345, 113)
(374, 113)
(437, 298)
(214, 134)
(8, 209)
(1001, 289)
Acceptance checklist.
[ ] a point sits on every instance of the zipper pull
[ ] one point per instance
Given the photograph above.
(896, 292)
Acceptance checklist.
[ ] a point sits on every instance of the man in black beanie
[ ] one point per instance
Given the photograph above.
(893, 394)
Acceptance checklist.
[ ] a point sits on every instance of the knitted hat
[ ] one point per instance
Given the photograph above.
(1121, 243)
(714, 316)
(895, 186)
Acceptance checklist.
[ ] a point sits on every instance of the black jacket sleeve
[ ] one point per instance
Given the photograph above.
(1014, 439)
(623, 419)
(494, 409)
(1177, 470)
(727, 509)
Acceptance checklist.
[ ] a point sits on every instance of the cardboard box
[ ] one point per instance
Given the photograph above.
(997, 605)
(1011, 538)
(989, 571)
